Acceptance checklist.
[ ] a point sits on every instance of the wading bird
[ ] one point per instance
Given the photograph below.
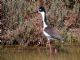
(49, 32)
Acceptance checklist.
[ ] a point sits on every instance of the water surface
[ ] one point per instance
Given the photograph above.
(39, 53)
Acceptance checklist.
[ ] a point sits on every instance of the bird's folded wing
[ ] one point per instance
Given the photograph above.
(53, 33)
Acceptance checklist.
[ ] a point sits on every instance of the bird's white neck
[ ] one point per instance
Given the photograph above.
(43, 18)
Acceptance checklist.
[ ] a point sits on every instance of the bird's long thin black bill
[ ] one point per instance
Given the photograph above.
(34, 12)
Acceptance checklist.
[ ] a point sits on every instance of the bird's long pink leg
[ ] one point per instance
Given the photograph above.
(50, 47)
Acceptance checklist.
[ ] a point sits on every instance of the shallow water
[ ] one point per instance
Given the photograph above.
(39, 53)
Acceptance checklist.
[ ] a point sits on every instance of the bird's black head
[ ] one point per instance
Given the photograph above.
(42, 9)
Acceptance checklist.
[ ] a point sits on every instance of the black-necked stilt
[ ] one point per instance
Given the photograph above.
(49, 32)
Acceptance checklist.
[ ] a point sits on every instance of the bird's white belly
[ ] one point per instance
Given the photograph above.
(46, 34)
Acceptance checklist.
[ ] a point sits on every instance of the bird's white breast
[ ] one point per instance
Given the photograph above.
(45, 33)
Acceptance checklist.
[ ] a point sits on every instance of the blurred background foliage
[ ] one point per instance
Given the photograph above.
(23, 28)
